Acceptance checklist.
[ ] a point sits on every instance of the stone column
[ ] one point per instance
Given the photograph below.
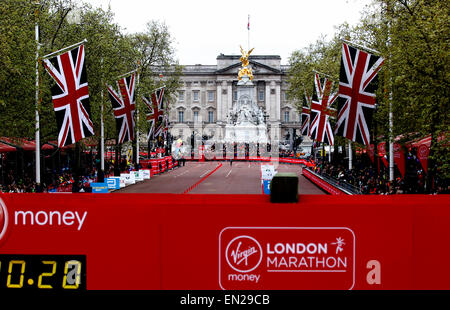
(229, 103)
(273, 103)
(267, 100)
(219, 116)
(278, 100)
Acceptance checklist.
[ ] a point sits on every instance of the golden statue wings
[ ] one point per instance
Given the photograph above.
(245, 55)
(244, 59)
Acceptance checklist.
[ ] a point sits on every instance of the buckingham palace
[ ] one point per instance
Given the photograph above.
(209, 92)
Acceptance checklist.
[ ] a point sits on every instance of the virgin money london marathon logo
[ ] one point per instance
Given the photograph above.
(286, 258)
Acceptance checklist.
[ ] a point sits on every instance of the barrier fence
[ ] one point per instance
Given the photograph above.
(308, 163)
(212, 242)
(328, 184)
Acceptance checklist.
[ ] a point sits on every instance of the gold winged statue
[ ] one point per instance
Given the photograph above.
(245, 70)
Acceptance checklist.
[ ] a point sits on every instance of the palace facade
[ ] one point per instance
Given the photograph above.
(208, 93)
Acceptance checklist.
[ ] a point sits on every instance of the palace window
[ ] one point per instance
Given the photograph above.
(286, 116)
(210, 96)
(195, 116)
(196, 95)
(210, 116)
(181, 116)
(261, 95)
(181, 96)
(235, 94)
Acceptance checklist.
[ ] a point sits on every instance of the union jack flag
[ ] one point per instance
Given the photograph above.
(70, 96)
(321, 111)
(156, 116)
(124, 107)
(357, 86)
(306, 110)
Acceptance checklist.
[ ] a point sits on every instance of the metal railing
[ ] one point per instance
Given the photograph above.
(342, 185)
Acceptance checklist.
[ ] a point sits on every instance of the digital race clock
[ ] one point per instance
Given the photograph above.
(46, 272)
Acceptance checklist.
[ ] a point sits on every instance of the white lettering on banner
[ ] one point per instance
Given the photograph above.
(297, 248)
(244, 277)
(50, 218)
(309, 263)
(374, 275)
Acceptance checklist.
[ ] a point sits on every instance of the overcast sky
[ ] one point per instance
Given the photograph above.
(203, 29)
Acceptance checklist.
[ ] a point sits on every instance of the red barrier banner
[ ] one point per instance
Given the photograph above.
(382, 153)
(423, 151)
(371, 152)
(163, 164)
(270, 159)
(399, 158)
(213, 242)
(330, 189)
(297, 161)
(155, 166)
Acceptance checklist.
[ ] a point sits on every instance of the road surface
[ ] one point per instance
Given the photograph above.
(211, 178)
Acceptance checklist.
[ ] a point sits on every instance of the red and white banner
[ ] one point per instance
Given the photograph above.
(382, 153)
(213, 242)
(423, 150)
(371, 152)
(399, 158)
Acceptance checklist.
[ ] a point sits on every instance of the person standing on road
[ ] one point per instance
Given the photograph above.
(231, 161)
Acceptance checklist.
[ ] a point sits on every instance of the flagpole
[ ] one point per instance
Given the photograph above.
(158, 88)
(361, 46)
(391, 140)
(126, 74)
(137, 115)
(248, 33)
(64, 49)
(391, 116)
(37, 138)
(102, 129)
(326, 75)
(350, 155)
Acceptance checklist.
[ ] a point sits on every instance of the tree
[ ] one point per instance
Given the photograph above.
(417, 64)
(158, 66)
(412, 36)
(17, 67)
(322, 56)
(109, 53)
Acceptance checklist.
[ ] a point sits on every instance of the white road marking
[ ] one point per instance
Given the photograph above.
(179, 175)
(205, 173)
(228, 173)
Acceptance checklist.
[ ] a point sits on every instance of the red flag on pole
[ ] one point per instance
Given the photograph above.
(382, 153)
(371, 152)
(423, 150)
(399, 158)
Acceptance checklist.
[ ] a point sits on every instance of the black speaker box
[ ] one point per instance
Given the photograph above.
(284, 187)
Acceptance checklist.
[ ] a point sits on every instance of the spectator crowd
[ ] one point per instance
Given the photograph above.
(368, 179)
